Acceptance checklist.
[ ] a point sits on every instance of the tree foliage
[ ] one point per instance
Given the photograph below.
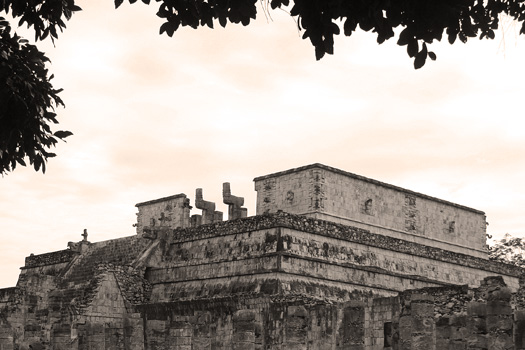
(27, 97)
(509, 249)
(420, 21)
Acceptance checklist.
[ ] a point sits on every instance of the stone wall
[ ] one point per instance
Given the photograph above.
(168, 212)
(305, 246)
(254, 324)
(77, 300)
(335, 195)
(53, 258)
(319, 256)
(459, 318)
(26, 313)
(455, 317)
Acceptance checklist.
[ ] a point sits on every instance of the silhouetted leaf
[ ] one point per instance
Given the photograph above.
(164, 27)
(412, 48)
(452, 35)
(36, 163)
(319, 53)
(222, 21)
(404, 37)
(366, 24)
(420, 59)
(62, 134)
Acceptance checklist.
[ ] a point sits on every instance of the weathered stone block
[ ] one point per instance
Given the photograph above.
(423, 341)
(499, 308)
(519, 333)
(477, 325)
(422, 325)
(458, 333)
(243, 346)
(458, 320)
(422, 309)
(182, 347)
(405, 344)
(443, 332)
(457, 345)
(502, 294)
(243, 326)
(405, 327)
(500, 323)
(244, 337)
(500, 342)
(476, 308)
(477, 341)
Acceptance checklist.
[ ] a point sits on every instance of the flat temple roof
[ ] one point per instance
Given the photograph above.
(180, 195)
(365, 179)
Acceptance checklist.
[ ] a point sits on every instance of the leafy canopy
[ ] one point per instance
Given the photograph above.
(423, 21)
(27, 97)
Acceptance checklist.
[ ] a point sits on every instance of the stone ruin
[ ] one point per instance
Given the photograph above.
(331, 260)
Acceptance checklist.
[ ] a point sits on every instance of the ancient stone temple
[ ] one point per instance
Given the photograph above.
(331, 260)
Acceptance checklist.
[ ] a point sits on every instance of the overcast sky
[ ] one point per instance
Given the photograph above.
(154, 116)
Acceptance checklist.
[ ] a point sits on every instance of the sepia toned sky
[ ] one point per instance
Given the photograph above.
(154, 116)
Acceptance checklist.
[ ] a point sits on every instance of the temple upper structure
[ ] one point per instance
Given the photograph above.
(327, 193)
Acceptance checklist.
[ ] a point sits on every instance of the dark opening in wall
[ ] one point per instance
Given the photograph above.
(368, 207)
(387, 334)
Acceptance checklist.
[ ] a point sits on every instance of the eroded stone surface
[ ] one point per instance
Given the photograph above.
(273, 281)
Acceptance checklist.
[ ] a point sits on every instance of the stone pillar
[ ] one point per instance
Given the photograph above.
(209, 215)
(519, 329)
(245, 331)
(499, 314)
(351, 335)
(423, 324)
(477, 325)
(196, 220)
(296, 328)
(416, 328)
(234, 203)
(157, 334)
(134, 332)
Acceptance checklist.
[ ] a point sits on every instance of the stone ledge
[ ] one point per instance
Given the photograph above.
(159, 200)
(60, 256)
(338, 231)
(154, 273)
